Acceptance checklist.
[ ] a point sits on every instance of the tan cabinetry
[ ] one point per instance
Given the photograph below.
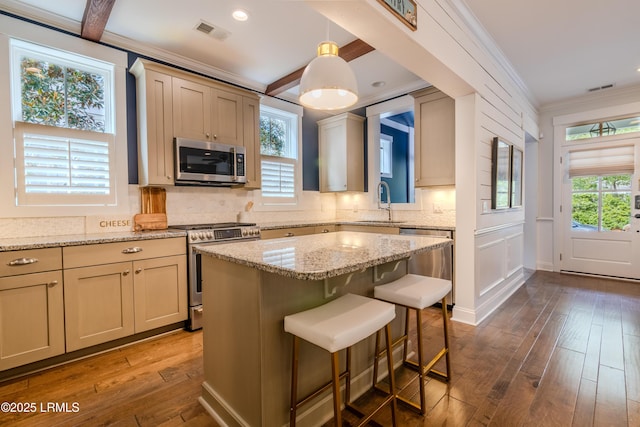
(31, 306)
(287, 232)
(114, 290)
(369, 229)
(341, 153)
(434, 138)
(174, 103)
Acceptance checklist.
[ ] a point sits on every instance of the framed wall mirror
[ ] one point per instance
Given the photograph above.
(500, 174)
(516, 177)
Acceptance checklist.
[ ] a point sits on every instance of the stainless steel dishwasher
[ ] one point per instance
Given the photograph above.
(435, 263)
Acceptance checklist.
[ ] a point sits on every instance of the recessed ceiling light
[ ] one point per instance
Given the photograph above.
(379, 83)
(240, 15)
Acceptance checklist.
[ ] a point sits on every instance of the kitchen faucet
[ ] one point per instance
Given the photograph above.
(388, 208)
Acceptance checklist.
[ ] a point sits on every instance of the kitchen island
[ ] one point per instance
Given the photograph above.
(248, 289)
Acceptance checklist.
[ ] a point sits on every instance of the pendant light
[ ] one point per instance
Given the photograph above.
(328, 82)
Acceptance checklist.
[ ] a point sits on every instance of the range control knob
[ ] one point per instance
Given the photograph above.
(193, 237)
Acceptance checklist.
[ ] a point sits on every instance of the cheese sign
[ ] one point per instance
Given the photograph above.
(405, 10)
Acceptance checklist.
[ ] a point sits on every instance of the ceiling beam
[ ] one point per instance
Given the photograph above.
(348, 52)
(96, 15)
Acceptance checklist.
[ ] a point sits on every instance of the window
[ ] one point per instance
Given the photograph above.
(63, 127)
(602, 128)
(601, 188)
(386, 156)
(279, 152)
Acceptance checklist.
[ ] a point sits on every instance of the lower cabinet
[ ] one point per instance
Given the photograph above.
(98, 304)
(110, 301)
(31, 318)
(159, 292)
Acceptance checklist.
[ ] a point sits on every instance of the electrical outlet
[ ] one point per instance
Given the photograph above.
(437, 208)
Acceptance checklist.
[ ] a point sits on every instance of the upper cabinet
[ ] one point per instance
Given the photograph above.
(173, 103)
(435, 138)
(341, 153)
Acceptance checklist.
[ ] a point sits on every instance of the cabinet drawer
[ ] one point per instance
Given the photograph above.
(107, 253)
(13, 263)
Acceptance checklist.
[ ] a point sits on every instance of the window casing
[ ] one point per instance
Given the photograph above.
(279, 155)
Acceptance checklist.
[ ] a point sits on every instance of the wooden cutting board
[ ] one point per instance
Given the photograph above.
(153, 205)
(150, 221)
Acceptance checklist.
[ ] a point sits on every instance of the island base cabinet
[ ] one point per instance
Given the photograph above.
(160, 292)
(98, 304)
(31, 318)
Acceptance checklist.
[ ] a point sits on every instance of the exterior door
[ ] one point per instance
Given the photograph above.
(600, 232)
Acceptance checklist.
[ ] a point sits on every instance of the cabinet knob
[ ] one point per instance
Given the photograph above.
(126, 272)
(215, 136)
(169, 177)
(325, 231)
(52, 283)
(138, 270)
(289, 234)
(208, 135)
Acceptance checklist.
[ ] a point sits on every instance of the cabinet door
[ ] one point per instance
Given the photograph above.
(191, 109)
(251, 119)
(98, 304)
(333, 156)
(31, 318)
(155, 130)
(341, 153)
(160, 292)
(227, 125)
(435, 140)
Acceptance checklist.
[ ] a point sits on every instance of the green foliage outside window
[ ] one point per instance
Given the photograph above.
(604, 200)
(61, 96)
(273, 133)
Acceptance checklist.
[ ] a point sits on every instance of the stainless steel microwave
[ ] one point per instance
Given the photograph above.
(208, 163)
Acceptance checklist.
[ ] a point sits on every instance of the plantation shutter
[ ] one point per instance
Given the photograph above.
(54, 163)
(278, 177)
(602, 161)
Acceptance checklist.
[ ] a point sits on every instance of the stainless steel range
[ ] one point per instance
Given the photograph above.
(209, 234)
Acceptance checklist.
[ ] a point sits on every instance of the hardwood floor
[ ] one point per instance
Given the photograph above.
(562, 351)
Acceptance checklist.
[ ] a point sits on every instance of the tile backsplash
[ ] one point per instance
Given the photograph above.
(196, 205)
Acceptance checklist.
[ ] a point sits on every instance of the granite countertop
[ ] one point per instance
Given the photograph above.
(15, 244)
(400, 224)
(321, 256)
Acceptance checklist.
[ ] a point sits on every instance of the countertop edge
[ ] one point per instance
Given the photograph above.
(321, 275)
(398, 224)
(85, 239)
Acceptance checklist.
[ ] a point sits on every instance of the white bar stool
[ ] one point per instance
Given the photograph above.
(334, 326)
(416, 292)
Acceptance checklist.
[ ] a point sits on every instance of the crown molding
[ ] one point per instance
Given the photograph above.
(488, 44)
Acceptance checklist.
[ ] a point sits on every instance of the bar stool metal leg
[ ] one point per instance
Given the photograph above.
(335, 373)
(294, 381)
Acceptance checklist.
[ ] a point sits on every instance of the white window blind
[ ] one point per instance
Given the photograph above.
(602, 161)
(278, 177)
(55, 165)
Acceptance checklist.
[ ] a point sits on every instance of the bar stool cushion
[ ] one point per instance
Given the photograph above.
(340, 323)
(414, 291)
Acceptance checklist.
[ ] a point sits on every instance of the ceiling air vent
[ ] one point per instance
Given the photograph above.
(597, 88)
(214, 31)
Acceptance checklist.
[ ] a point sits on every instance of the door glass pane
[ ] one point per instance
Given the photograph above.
(601, 203)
